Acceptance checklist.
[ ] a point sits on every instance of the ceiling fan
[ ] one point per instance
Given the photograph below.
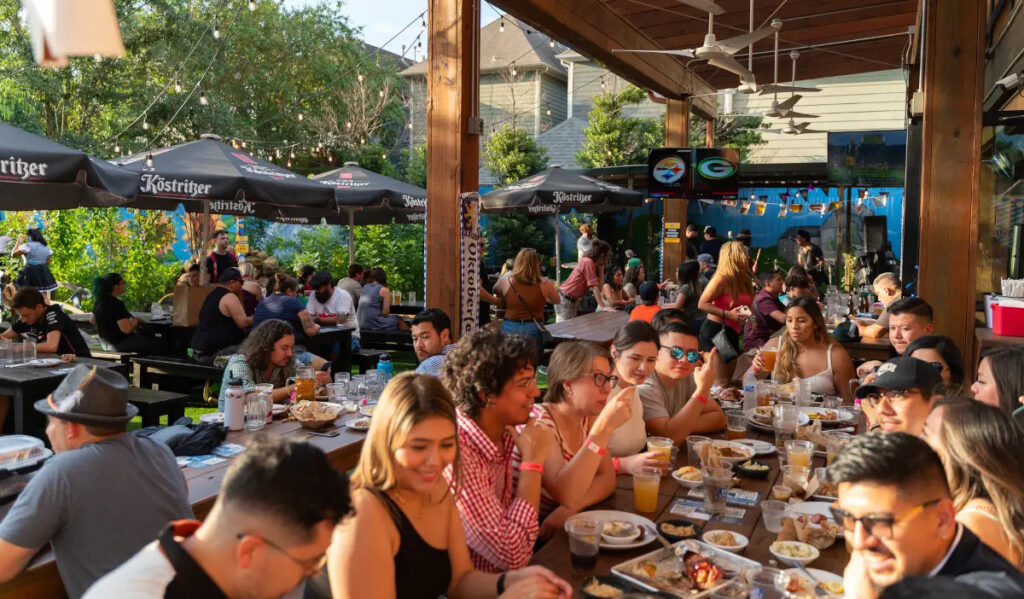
(774, 88)
(719, 54)
(784, 109)
(792, 128)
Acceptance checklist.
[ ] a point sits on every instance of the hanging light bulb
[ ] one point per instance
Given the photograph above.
(410, 125)
(547, 111)
(216, 32)
(359, 77)
(252, 6)
(384, 156)
(145, 124)
(202, 99)
(348, 124)
(362, 140)
(289, 164)
(149, 160)
(243, 144)
(277, 151)
(177, 87)
(551, 42)
(381, 93)
(292, 155)
(501, 26)
(419, 46)
(117, 148)
(301, 116)
(330, 159)
(423, 24)
(97, 57)
(513, 70)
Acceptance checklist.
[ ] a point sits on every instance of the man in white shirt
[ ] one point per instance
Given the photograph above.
(332, 306)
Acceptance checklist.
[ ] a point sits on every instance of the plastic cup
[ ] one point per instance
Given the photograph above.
(831, 402)
(663, 446)
(584, 542)
(6, 351)
(769, 355)
(736, 425)
(763, 391)
(799, 453)
(336, 392)
(795, 477)
(782, 492)
(733, 589)
(29, 350)
(716, 488)
(342, 377)
(834, 443)
(645, 489)
(693, 449)
(772, 511)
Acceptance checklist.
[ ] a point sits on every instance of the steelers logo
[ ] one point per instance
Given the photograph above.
(669, 170)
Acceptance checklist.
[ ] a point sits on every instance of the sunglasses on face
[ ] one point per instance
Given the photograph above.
(678, 353)
(879, 526)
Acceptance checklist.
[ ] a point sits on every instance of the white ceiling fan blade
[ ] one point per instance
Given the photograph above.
(762, 130)
(812, 131)
(687, 53)
(728, 63)
(706, 5)
(800, 115)
(735, 44)
(788, 103)
(770, 88)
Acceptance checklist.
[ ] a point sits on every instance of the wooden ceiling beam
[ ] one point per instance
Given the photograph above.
(593, 29)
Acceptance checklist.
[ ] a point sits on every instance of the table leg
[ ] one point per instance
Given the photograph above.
(343, 362)
(19, 411)
(175, 412)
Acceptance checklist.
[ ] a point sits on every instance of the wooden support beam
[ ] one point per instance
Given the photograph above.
(951, 164)
(593, 29)
(709, 133)
(453, 91)
(677, 135)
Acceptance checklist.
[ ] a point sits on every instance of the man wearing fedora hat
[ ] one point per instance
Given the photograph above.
(103, 496)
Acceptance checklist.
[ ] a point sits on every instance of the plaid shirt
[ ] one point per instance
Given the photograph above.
(500, 527)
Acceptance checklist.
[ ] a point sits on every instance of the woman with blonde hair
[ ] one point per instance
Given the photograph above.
(726, 300)
(982, 451)
(806, 351)
(579, 414)
(406, 524)
(252, 292)
(523, 294)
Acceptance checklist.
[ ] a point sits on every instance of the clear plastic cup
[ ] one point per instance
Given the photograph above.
(336, 392)
(736, 425)
(584, 542)
(6, 351)
(831, 402)
(716, 488)
(772, 511)
(645, 489)
(29, 350)
(255, 411)
(799, 453)
(692, 449)
(662, 445)
(795, 477)
(834, 443)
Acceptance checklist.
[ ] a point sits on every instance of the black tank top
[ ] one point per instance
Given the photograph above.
(421, 571)
(215, 331)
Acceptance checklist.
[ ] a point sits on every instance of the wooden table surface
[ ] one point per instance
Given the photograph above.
(870, 348)
(599, 326)
(555, 553)
(41, 579)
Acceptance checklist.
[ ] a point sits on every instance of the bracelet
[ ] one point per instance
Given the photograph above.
(701, 398)
(593, 446)
(615, 465)
(531, 466)
(501, 583)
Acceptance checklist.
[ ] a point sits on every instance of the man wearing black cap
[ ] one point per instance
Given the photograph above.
(712, 245)
(222, 319)
(901, 396)
(103, 496)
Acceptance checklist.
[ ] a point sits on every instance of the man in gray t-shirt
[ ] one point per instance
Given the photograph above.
(675, 396)
(106, 493)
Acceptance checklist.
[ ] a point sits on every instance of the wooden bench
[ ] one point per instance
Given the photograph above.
(147, 370)
(153, 404)
(124, 357)
(366, 359)
(387, 340)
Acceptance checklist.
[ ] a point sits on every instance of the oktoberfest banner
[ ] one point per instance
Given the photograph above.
(470, 253)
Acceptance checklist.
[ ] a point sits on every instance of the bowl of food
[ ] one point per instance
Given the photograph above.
(728, 540)
(688, 476)
(315, 414)
(794, 552)
(678, 530)
(604, 587)
(619, 532)
(733, 452)
(754, 469)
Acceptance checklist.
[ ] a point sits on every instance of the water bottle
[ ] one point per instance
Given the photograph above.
(385, 369)
(749, 391)
(234, 405)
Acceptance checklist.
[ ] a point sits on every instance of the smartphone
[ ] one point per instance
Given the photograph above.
(327, 434)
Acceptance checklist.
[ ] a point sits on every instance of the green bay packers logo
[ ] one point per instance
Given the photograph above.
(669, 170)
(716, 168)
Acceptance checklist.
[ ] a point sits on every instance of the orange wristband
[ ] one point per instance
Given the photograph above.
(702, 398)
(531, 466)
(615, 464)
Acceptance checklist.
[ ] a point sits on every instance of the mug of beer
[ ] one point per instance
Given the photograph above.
(303, 383)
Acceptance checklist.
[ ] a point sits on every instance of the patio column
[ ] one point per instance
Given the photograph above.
(951, 164)
(453, 128)
(709, 133)
(677, 135)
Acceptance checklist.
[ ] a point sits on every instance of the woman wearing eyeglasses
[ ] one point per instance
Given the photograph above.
(942, 353)
(406, 527)
(982, 451)
(806, 351)
(579, 412)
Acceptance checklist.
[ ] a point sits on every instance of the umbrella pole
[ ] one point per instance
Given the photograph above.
(204, 233)
(351, 236)
(558, 250)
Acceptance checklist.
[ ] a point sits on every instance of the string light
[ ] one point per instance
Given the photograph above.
(501, 27)
(551, 42)
(252, 6)
(216, 32)
(202, 99)
(292, 155)
(359, 77)
(419, 46)
(97, 57)
(177, 87)
(145, 123)
(243, 144)
(348, 124)
(289, 164)
(384, 156)
(117, 148)
(301, 116)
(149, 160)
(423, 24)
(330, 159)
(547, 110)
(362, 141)
(513, 69)
(381, 93)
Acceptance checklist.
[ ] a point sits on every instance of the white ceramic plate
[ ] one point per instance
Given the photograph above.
(759, 447)
(821, 575)
(649, 535)
(802, 420)
(352, 424)
(742, 540)
(45, 362)
(810, 508)
(212, 418)
(845, 416)
(691, 484)
(747, 451)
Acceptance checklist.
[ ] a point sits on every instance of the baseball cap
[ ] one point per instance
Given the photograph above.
(706, 258)
(633, 262)
(648, 291)
(229, 274)
(900, 374)
(709, 230)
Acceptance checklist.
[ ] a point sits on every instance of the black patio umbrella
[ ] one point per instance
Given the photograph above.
(372, 198)
(39, 174)
(555, 191)
(208, 175)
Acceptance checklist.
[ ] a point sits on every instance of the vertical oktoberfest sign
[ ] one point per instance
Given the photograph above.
(470, 254)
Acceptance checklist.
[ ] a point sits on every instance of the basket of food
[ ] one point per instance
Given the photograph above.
(315, 414)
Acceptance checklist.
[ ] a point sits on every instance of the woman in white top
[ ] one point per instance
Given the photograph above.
(634, 352)
(584, 243)
(982, 451)
(36, 272)
(808, 352)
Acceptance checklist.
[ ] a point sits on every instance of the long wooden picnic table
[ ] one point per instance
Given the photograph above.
(40, 579)
(555, 553)
(599, 326)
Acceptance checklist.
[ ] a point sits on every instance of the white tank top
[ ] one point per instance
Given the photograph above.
(823, 382)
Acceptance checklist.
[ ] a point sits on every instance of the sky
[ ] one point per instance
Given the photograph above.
(382, 19)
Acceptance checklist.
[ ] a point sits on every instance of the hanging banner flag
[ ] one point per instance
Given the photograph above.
(796, 208)
(744, 207)
(819, 208)
(881, 199)
(730, 203)
(706, 202)
(470, 253)
(783, 211)
(833, 206)
(761, 206)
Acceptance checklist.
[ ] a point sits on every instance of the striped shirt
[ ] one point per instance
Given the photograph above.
(501, 528)
(543, 419)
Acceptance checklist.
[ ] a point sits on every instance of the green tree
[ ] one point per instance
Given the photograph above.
(611, 139)
(740, 133)
(416, 166)
(512, 154)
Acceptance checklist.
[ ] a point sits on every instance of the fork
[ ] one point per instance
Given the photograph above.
(819, 589)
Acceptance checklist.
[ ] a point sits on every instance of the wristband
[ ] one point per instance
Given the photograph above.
(501, 583)
(701, 398)
(531, 466)
(615, 465)
(594, 447)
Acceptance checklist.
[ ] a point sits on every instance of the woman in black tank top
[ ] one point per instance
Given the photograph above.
(406, 533)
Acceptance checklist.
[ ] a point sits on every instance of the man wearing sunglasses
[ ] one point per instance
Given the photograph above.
(675, 396)
(268, 531)
(900, 399)
(895, 508)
